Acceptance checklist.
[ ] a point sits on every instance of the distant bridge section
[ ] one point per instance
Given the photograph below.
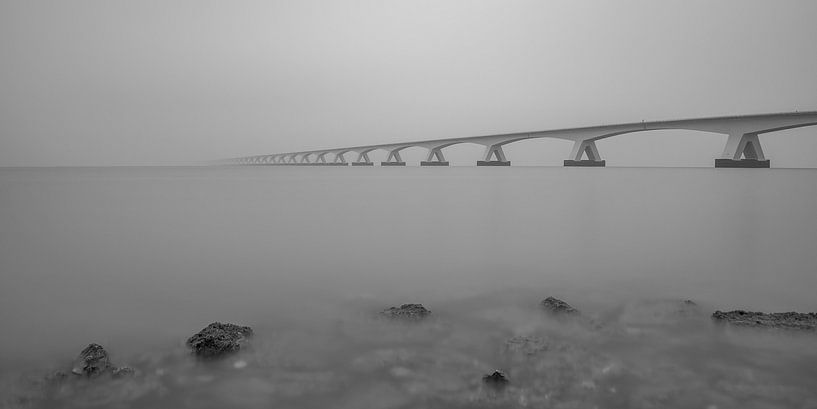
(742, 150)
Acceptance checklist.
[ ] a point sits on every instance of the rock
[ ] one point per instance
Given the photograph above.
(411, 312)
(557, 306)
(92, 361)
(784, 320)
(655, 315)
(123, 371)
(56, 377)
(527, 345)
(218, 339)
(496, 379)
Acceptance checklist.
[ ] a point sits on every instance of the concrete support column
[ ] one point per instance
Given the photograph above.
(435, 158)
(582, 148)
(394, 159)
(363, 159)
(494, 151)
(743, 150)
(340, 158)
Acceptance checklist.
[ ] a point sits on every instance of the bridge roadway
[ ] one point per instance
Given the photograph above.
(742, 150)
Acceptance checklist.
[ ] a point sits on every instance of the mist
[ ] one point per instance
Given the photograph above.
(89, 83)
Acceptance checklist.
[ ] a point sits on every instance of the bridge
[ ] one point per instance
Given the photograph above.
(742, 150)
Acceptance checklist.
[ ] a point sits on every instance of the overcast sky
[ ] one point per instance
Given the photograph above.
(108, 82)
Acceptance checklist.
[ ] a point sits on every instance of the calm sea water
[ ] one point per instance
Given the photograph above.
(139, 259)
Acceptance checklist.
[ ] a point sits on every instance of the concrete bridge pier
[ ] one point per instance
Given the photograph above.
(305, 159)
(586, 147)
(363, 159)
(435, 158)
(320, 160)
(394, 159)
(340, 159)
(494, 151)
(742, 150)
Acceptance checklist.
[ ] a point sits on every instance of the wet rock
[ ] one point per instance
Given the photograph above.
(412, 312)
(56, 377)
(123, 371)
(218, 339)
(527, 345)
(783, 320)
(556, 306)
(497, 378)
(92, 361)
(655, 315)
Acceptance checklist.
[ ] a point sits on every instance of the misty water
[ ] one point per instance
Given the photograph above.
(139, 259)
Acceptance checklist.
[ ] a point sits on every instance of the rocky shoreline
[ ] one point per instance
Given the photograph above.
(780, 320)
(219, 340)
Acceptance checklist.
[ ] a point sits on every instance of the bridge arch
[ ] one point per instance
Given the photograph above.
(662, 147)
(742, 149)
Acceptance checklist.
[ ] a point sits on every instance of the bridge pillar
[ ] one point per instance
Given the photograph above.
(745, 145)
(494, 151)
(305, 159)
(340, 159)
(363, 159)
(435, 158)
(581, 148)
(393, 159)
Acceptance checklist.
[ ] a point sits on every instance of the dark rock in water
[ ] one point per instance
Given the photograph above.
(56, 377)
(527, 345)
(92, 361)
(217, 339)
(407, 312)
(496, 379)
(557, 306)
(784, 320)
(123, 371)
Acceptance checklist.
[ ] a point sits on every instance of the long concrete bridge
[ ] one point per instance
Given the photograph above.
(742, 150)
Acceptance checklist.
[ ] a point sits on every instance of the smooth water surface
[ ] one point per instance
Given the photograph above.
(139, 259)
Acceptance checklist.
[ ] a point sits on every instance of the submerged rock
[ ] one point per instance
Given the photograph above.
(527, 345)
(123, 371)
(556, 306)
(655, 315)
(92, 361)
(496, 379)
(217, 339)
(784, 320)
(407, 312)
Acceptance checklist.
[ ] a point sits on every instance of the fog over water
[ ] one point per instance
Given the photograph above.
(139, 259)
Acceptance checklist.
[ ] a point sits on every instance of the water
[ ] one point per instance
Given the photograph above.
(139, 259)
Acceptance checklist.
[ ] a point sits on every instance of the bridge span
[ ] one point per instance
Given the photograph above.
(742, 150)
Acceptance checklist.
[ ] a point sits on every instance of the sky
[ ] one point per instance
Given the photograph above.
(108, 82)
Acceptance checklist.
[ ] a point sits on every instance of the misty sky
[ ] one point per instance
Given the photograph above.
(108, 82)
